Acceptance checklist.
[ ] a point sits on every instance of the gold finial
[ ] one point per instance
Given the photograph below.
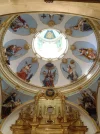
(27, 46)
(68, 32)
(72, 47)
(34, 59)
(32, 30)
(64, 60)
(51, 23)
(72, 62)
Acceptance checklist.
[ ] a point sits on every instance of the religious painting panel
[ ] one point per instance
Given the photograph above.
(84, 51)
(87, 99)
(14, 49)
(24, 24)
(71, 69)
(11, 99)
(78, 27)
(27, 68)
(51, 19)
(49, 75)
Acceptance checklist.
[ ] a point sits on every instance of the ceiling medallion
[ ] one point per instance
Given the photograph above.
(50, 44)
(50, 94)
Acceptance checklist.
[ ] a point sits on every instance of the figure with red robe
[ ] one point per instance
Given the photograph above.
(89, 53)
(19, 23)
(24, 73)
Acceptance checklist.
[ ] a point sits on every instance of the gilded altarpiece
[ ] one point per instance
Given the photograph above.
(49, 114)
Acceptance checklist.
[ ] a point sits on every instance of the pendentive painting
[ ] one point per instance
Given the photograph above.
(11, 99)
(27, 69)
(87, 99)
(49, 75)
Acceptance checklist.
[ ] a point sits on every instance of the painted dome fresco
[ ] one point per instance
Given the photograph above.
(49, 50)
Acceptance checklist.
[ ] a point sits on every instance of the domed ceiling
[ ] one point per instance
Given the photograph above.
(50, 50)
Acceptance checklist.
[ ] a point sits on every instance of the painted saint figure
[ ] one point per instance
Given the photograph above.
(82, 25)
(11, 51)
(24, 72)
(88, 102)
(19, 23)
(88, 53)
(49, 78)
(72, 74)
(8, 105)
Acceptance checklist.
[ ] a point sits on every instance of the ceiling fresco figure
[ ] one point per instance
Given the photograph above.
(78, 27)
(26, 69)
(71, 70)
(49, 75)
(88, 53)
(19, 23)
(23, 26)
(84, 51)
(72, 74)
(88, 102)
(51, 19)
(82, 25)
(23, 74)
(87, 99)
(15, 49)
(11, 99)
(9, 104)
(11, 51)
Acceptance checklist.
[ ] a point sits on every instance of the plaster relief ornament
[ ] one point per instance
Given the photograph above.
(78, 27)
(27, 46)
(49, 75)
(51, 23)
(68, 32)
(24, 24)
(32, 30)
(51, 19)
(64, 60)
(72, 47)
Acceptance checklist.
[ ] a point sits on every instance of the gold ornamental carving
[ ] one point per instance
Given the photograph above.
(32, 30)
(27, 46)
(51, 23)
(52, 116)
(72, 47)
(68, 32)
